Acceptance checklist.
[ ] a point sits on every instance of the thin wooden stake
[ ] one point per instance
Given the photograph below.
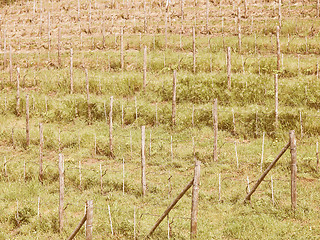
(278, 48)
(144, 68)
(317, 155)
(41, 152)
(293, 152)
(110, 219)
(88, 96)
(194, 48)
(215, 130)
(248, 182)
(279, 14)
(195, 199)
(27, 122)
(235, 149)
(143, 161)
(71, 71)
(110, 126)
(121, 49)
(174, 95)
(61, 191)
(101, 182)
(18, 92)
(134, 222)
(276, 100)
(192, 117)
(229, 67)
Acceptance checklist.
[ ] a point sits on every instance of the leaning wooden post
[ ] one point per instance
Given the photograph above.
(71, 71)
(143, 161)
(194, 48)
(144, 68)
(174, 96)
(215, 129)
(278, 48)
(166, 212)
(18, 93)
(89, 222)
(27, 122)
(110, 126)
(293, 151)
(121, 49)
(74, 233)
(276, 100)
(40, 152)
(229, 67)
(61, 191)
(195, 199)
(264, 174)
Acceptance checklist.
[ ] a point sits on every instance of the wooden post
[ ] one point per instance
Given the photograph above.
(235, 149)
(166, 30)
(317, 155)
(276, 100)
(301, 126)
(110, 126)
(89, 222)
(121, 49)
(192, 116)
(239, 30)
(18, 92)
(264, 174)
(71, 71)
(174, 89)
(229, 67)
(279, 14)
(293, 152)
(207, 16)
(262, 152)
(145, 16)
(194, 48)
(318, 4)
(143, 162)
(272, 194)
(144, 68)
(110, 219)
(195, 199)
(59, 47)
(215, 130)
(166, 212)
(248, 184)
(278, 48)
(27, 122)
(101, 182)
(10, 64)
(41, 152)
(88, 97)
(61, 191)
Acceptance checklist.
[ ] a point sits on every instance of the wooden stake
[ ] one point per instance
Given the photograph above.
(276, 100)
(143, 161)
(110, 219)
(166, 30)
(272, 194)
(264, 174)
(27, 122)
(144, 68)
(41, 152)
(194, 48)
(110, 126)
(293, 152)
(145, 16)
(10, 64)
(71, 71)
(318, 4)
(89, 207)
(195, 199)
(74, 233)
(215, 130)
(88, 96)
(134, 222)
(248, 182)
(61, 191)
(18, 92)
(235, 148)
(317, 155)
(174, 89)
(279, 14)
(278, 48)
(229, 67)
(239, 30)
(121, 49)
(262, 152)
(101, 182)
(192, 117)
